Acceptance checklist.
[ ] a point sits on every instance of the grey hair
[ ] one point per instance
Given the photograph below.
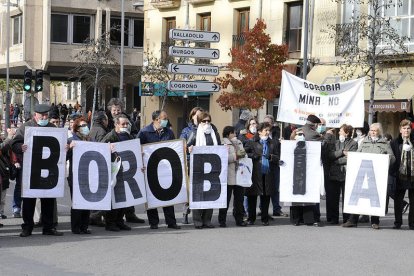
(379, 127)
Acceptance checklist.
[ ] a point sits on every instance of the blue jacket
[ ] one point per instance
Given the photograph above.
(185, 133)
(149, 135)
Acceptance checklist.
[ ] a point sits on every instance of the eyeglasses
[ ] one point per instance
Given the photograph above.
(206, 121)
(84, 125)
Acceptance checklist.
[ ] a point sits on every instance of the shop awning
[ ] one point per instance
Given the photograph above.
(403, 93)
(390, 106)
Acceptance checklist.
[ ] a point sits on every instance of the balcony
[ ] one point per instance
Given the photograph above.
(238, 41)
(165, 4)
(346, 40)
(199, 1)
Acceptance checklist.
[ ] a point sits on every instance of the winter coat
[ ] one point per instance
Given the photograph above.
(149, 135)
(191, 140)
(254, 151)
(396, 146)
(337, 159)
(232, 161)
(380, 146)
(185, 133)
(98, 132)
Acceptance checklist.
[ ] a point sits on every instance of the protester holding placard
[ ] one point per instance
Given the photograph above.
(205, 135)
(155, 132)
(265, 154)
(403, 171)
(79, 219)
(236, 151)
(337, 157)
(40, 119)
(373, 143)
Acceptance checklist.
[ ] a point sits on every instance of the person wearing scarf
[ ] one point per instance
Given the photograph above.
(403, 170)
(265, 155)
(205, 135)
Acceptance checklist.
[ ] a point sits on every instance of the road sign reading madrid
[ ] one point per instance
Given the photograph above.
(178, 34)
(202, 86)
(194, 52)
(191, 69)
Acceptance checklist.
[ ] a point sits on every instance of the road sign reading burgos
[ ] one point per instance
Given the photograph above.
(194, 52)
(178, 34)
(202, 86)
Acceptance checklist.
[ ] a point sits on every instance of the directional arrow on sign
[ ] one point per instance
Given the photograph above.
(194, 52)
(178, 34)
(191, 69)
(196, 86)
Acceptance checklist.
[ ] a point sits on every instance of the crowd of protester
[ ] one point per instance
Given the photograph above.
(250, 138)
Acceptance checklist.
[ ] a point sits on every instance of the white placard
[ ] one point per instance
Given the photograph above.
(366, 183)
(91, 176)
(166, 178)
(131, 176)
(299, 184)
(212, 193)
(45, 151)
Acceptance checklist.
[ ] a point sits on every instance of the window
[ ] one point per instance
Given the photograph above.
(17, 30)
(59, 27)
(115, 32)
(205, 22)
(71, 28)
(294, 27)
(243, 21)
(138, 33)
(170, 23)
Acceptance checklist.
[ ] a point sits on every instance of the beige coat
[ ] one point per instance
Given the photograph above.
(233, 151)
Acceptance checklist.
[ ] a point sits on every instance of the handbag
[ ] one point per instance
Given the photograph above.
(244, 172)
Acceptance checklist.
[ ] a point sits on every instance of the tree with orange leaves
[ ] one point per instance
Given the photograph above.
(257, 71)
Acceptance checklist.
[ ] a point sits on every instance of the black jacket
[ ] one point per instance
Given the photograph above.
(337, 160)
(396, 146)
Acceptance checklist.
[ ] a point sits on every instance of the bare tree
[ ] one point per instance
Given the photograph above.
(370, 41)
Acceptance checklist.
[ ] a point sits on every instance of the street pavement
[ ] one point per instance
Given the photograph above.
(279, 249)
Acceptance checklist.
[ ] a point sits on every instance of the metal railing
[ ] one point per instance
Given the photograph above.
(238, 41)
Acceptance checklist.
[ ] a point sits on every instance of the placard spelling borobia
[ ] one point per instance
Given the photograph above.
(301, 171)
(338, 103)
(130, 183)
(91, 176)
(208, 177)
(44, 162)
(366, 183)
(165, 173)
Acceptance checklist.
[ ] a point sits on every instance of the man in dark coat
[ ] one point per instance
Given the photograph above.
(155, 132)
(40, 119)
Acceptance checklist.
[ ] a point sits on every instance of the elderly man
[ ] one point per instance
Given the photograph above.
(155, 132)
(40, 119)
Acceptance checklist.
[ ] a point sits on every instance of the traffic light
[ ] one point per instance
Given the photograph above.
(27, 85)
(39, 81)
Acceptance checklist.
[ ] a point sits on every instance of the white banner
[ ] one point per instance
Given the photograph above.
(338, 103)
(366, 183)
(208, 177)
(166, 177)
(91, 176)
(301, 173)
(129, 189)
(44, 162)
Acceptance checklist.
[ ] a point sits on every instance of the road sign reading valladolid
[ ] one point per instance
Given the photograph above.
(176, 51)
(178, 34)
(206, 86)
(193, 69)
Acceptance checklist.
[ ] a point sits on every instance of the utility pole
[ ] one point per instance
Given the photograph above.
(305, 41)
(7, 109)
(121, 78)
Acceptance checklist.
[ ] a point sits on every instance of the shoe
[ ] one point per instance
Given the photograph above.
(223, 225)
(154, 226)
(134, 219)
(112, 228)
(405, 207)
(280, 214)
(198, 227)
(297, 223)
(396, 226)
(124, 227)
(249, 222)
(17, 215)
(266, 223)
(96, 222)
(209, 226)
(85, 231)
(38, 224)
(52, 232)
(3, 216)
(349, 224)
(375, 226)
(174, 226)
(317, 224)
(364, 219)
(243, 224)
(25, 233)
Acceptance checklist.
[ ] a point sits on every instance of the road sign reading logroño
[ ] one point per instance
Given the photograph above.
(206, 86)
(191, 69)
(178, 34)
(194, 52)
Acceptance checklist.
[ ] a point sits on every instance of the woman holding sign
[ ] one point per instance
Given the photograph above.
(79, 219)
(265, 155)
(403, 171)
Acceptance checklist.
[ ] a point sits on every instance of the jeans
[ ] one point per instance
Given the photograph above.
(17, 195)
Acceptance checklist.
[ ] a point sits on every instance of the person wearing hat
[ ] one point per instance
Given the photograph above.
(245, 116)
(39, 119)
